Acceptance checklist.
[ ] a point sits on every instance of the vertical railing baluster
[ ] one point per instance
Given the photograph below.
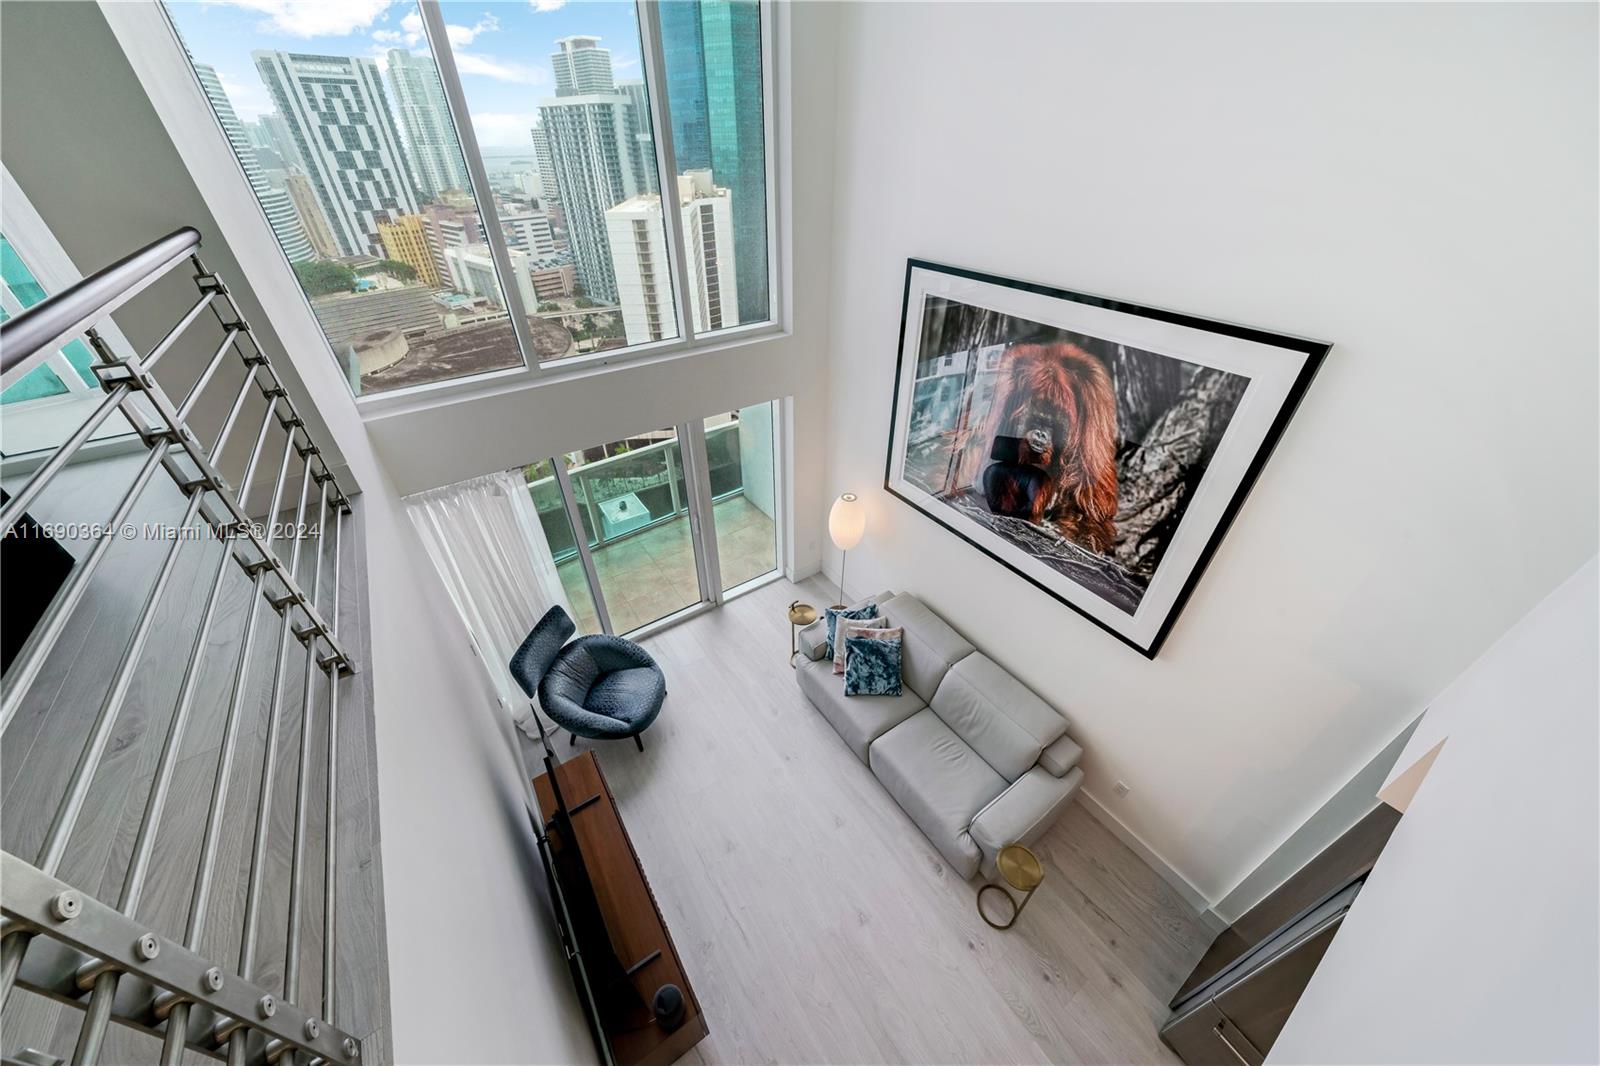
(330, 834)
(105, 984)
(233, 413)
(258, 852)
(12, 949)
(104, 990)
(291, 966)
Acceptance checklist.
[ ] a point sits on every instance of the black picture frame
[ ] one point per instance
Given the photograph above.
(1314, 353)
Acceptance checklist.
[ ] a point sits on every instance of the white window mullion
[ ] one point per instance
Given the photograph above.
(493, 235)
(770, 71)
(702, 521)
(655, 66)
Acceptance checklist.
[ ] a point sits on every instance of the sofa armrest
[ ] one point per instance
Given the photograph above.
(1061, 756)
(1022, 813)
(814, 639)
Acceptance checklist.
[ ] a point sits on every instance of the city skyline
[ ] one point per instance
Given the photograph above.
(501, 50)
(380, 183)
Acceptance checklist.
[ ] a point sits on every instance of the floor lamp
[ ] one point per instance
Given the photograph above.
(846, 524)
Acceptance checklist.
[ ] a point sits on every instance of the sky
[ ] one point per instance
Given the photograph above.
(502, 48)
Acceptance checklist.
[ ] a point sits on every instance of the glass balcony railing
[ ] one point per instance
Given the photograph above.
(634, 509)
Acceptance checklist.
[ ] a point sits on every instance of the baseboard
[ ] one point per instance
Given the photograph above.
(801, 573)
(1151, 858)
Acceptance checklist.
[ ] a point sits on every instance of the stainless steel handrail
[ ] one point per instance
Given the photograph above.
(194, 1004)
(32, 336)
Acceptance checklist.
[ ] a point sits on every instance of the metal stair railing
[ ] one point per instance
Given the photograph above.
(59, 941)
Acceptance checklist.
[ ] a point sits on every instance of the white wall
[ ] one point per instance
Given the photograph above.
(1474, 938)
(1415, 184)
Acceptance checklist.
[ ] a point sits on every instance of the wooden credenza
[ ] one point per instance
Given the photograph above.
(645, 958)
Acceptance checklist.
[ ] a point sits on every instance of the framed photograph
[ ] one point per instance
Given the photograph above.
(1098, 448)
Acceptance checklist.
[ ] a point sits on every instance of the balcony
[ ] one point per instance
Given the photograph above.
(636, 519)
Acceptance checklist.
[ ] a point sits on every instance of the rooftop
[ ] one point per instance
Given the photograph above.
(467, 350)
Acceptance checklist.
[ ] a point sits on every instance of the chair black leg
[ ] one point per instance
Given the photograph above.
(639, 741)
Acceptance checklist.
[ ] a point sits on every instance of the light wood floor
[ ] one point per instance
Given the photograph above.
(817, 923)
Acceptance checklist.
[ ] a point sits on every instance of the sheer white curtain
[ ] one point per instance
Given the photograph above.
(485, 539)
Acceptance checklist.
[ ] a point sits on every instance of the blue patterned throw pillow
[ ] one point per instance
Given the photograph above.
(871, 667)
(866, 610)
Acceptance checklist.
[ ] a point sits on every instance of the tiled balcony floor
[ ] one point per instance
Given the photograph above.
(651, 574)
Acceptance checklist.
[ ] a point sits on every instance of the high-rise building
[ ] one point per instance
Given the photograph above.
(304, 198)
(405, 240)
(581, 67)
(339, 117)
(592, 154)
(432, 148)
(684, 52)
(644, 145)
(449, 227)
(530, 232)
(644, 270)
(546, 166)
(713, 56)
(279, 209)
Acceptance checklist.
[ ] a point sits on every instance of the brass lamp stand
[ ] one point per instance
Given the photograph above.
(800, 615)
(1021, 870)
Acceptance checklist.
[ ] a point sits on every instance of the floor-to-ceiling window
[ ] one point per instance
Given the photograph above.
(471, 189)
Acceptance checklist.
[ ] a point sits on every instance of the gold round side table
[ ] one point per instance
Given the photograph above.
(1021, 870)
(800, 615)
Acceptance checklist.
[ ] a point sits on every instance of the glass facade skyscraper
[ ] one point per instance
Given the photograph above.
(431, 145)
(713, 57)
(275, 202)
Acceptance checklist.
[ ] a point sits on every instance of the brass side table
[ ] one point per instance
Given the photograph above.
(800, 616)
(1021, 870)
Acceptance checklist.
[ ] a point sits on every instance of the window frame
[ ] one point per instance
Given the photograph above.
(532, 372)
(44, 421)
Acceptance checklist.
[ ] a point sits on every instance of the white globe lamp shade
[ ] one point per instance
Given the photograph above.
(847, 522)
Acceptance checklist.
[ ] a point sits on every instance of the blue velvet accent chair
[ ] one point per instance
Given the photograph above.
(600, 687)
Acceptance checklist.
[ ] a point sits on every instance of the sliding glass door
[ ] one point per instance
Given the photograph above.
(662, 521)
(740, 452)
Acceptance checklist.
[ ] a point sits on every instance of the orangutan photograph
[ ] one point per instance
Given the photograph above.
(1075, 453)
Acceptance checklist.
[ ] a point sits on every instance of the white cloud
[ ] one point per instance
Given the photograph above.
(487, 67)
(503, 129)
(315, 18)
(249, 98)
(461, 36)
(548, 5)
(411, 33)
(412, 25)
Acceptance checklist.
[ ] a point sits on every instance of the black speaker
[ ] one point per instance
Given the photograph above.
(35, 567)
(669, 1007)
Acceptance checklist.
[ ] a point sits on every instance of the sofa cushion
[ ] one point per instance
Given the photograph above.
(997, 714)
(939, 781)
(853, 627)
(859, 720)
(813, 639)
(1061, 755)
(873, 666)
(931, 646)
(836, 615)
(1022, 813)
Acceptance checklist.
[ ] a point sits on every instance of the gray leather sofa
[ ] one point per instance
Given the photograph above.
(970, 753)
